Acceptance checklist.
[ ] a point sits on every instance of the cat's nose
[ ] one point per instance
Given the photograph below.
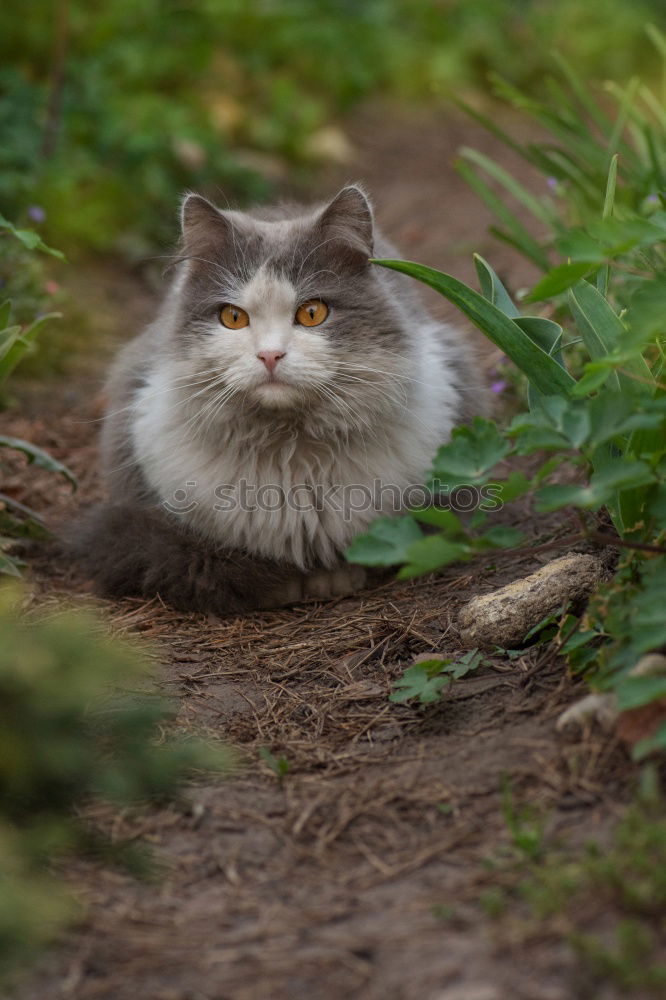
(271, 358)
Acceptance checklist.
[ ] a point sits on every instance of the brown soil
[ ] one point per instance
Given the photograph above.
(359, 874)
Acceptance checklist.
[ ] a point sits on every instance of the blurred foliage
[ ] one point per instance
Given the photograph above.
(110, 110)
(19, 332)
(79, 722)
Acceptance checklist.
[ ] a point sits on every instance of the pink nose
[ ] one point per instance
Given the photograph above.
(270, 358)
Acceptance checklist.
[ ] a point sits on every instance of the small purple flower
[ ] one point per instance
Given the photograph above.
(652, 199)
(552, 183)
(498, 386)
(37, 213)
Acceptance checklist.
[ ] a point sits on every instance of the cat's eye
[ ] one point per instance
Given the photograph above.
(312, 313)
(233, 317)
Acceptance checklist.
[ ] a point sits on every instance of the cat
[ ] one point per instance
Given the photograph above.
(288, 392)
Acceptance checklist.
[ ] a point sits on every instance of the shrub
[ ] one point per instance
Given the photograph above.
(603, 416)
(79, 722)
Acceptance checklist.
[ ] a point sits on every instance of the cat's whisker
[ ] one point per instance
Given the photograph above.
(378, 371)
(150, 395)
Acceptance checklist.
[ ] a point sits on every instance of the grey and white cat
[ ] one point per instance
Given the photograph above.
(287, 391)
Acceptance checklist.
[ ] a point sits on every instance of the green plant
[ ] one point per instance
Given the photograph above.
(601, 421)
(17, 341)
(278, 765)
(427, 679)
(79, 722)
(605, 903)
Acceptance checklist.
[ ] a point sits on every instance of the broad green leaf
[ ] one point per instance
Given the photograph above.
(424, 681)
(569, 419)
(470, 455)
(543, 371)
(385, 543)
(594, 376)
(503, 536)
(602, 332)
(618, 475)
(38, 456)
(515, 485)
(613, 415)
(634, 692)
(559, 279)
(432, 553)
(646, 313)
(437, 517)
(493, 289)
(545, 333)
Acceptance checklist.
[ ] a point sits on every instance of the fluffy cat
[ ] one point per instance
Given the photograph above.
(287, 392)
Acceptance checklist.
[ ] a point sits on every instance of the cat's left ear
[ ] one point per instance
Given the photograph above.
(204, 227)
(348, 218)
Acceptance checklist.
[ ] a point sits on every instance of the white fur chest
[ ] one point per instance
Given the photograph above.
(300, 501)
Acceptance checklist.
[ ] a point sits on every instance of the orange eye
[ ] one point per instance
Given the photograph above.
(233, 317)
(312, 313)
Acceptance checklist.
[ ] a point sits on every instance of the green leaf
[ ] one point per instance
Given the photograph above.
(602, 331)
(633, 692)
(618, 475)
(424, 681)
(385, 543)
(470, 455)
(29, 238)
(503, 536)
(559, 279)
(650, 744)
(445, 520)
(542, 371)
(493, 289)
(38, 456)
(516, 485)
(594, 376)
(432, 553)
(16, 342)
(545, 333)
(9, 565)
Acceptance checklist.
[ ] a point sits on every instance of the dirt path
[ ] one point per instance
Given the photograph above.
(360, 874)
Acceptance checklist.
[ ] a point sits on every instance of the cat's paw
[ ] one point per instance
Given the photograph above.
(323, 585)
(338, 582)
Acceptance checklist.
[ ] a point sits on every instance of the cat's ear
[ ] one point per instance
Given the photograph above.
(202, 224)
(348, 218)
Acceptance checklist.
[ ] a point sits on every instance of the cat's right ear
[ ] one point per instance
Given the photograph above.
(203, 226)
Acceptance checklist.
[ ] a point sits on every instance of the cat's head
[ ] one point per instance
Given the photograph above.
(285, 307)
